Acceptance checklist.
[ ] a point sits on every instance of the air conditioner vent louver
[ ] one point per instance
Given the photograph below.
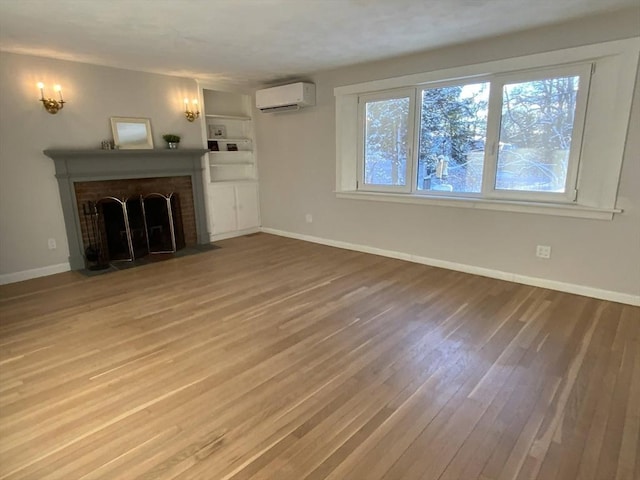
(284, 108)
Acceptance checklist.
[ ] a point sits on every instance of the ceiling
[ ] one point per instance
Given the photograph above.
(262, 41)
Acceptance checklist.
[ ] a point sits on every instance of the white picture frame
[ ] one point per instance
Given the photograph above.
(130, 133)
(217, 131)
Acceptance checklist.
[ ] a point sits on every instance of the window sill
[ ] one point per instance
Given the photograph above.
(555, 209)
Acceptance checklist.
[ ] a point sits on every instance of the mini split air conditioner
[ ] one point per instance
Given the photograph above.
(286, 97)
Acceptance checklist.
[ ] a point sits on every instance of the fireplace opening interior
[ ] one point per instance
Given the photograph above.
(134, 223)
(131, 228)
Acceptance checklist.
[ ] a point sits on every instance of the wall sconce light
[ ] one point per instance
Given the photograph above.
(51, 105)
(194, 112)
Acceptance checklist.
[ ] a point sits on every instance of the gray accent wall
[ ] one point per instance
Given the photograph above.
(298, 169)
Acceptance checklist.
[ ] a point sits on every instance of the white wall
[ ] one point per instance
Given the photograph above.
(30, 210)
(297, 176)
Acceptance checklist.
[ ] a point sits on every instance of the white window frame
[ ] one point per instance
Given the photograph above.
(494, 121)
(603, 140)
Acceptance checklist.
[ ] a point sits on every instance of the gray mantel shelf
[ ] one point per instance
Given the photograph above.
(84, 153)
(85, 165)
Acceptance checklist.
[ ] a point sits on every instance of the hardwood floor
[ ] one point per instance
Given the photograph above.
(273, 358)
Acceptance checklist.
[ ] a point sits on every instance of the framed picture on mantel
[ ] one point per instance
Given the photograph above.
(132, 133)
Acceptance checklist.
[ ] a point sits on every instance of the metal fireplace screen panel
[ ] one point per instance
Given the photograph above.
(123, 229)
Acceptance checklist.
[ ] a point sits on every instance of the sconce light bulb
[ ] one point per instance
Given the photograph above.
(40, 85)
(57, 88)
(195, 102)
(186, 101)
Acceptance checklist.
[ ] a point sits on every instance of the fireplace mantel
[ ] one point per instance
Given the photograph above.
(80, 165)
(155, 152)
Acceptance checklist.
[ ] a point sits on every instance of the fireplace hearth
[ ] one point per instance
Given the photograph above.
(145, 201)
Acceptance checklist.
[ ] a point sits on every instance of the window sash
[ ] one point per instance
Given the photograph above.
(363, 100)
(583, 72)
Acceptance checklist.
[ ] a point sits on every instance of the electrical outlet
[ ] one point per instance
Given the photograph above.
(543, 251)
(52, 243)
(308, 218)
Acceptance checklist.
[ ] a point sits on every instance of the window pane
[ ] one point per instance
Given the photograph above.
(386, 142)
(453, 130)
(535, 134)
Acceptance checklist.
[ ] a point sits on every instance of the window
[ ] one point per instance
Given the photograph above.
(530, 122)
(386, 142)
(537, 149)
(543, 133)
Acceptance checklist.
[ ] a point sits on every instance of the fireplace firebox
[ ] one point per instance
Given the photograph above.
(125, 229)
(129, 219)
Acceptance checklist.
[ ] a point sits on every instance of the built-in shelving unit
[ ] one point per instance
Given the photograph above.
(229, 129)
(231, 164)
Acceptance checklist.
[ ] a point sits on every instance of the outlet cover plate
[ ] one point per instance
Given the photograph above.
(543, 251)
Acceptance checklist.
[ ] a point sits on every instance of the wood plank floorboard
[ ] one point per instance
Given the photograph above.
(273, 358)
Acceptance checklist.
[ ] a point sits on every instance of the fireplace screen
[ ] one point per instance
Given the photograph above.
(124, 229)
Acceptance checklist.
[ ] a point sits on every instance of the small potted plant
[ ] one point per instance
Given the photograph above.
(172, 140)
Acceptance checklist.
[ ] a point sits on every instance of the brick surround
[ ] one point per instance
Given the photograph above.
(133, 188)
(128, 173)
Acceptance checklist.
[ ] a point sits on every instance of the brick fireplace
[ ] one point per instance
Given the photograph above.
(89, 175)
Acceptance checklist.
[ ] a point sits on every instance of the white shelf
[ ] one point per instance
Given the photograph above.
(242, 118)
(244, 139)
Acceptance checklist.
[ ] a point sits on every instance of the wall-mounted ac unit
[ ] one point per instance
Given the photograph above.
(286, 97)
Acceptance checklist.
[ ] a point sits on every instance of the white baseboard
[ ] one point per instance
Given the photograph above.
(237, 233)
(460, 267)
(65, 267)
(34, 273)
